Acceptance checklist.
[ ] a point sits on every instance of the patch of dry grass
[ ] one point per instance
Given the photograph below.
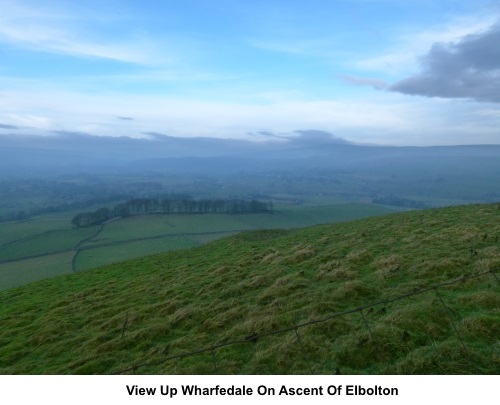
(146, 309)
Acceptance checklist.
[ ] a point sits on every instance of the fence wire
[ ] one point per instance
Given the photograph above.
(295, 328)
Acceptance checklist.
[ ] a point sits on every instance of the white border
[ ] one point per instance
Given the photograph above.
(90, 390)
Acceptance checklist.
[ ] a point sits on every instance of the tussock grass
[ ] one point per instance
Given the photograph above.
(334, 271)
(487, 299)
(387, 265)
(105, 320)
(359, 256)
(272, 257)
(298, 254)
(483, 326)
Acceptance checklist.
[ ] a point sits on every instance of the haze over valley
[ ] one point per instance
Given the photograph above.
(287, 187)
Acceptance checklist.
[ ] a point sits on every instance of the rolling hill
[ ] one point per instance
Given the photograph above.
(407, 293)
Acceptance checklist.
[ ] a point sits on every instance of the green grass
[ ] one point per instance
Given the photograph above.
(286, 217)
(148, 309)
(144, 226)
(98, 256)
(300, 216)
(202, 238)
(133, 237)
(47, 243)
(26, 271)
(12, 231)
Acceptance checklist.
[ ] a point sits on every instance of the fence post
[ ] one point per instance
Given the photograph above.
(492, 271)
(304, 354)
(124, 325)
(448, 310)
(366, 323)
(214, 360)
(254, 336)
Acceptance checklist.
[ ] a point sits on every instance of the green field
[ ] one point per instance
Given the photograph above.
(47, 243)
(146, 226)
(142, 235)
(16, 273)
(12, 231)
(98, 256)
(410, 293)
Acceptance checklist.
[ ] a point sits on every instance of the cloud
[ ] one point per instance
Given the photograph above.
(23, 120)
(400, 58)
(62, 31)
(6, 126)
(155, 135)
(321, 47)
(301, 137)
(125, 118)
(314, 137)
(72, 134)
(469, 68)
(266, 133)
(380, 117)
(377, 84)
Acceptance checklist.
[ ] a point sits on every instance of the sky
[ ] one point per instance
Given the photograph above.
(391, 72)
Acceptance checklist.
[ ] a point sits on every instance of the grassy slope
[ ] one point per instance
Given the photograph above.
(105, 320)
(12, 231)
(137, 236)
(51, 242)
(13, 274)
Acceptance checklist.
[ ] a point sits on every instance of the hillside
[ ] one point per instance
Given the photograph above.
(48, 246)
(326, 299)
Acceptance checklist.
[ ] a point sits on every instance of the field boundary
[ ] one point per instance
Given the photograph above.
(26, 238)
(77, 248)
(48, 253)
(165, 235)
(295, 328)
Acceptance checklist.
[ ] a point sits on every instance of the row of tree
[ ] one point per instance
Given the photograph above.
(171, 206)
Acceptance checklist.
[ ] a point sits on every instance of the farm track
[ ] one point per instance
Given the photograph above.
(124, 242)
(77, 246)
(78, 249)
(52, 252)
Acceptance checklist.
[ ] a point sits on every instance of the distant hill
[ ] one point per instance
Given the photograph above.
(74, 152)
(349, 298)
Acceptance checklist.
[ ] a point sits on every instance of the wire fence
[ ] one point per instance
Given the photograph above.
(295, 328)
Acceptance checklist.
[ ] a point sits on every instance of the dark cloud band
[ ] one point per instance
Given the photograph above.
(467, 69)
(6, 126)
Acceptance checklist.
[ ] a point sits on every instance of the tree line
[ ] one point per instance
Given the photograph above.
(140, 206)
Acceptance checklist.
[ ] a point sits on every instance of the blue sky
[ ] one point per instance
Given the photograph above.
(398, 72)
